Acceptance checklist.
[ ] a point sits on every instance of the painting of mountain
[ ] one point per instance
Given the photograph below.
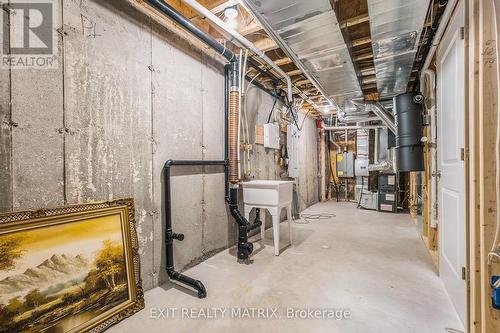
(63, 268)
(58, 277)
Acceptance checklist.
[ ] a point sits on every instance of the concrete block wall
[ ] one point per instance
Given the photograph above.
(128, 95)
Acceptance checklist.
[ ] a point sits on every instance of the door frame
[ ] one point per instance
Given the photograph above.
(466, 133)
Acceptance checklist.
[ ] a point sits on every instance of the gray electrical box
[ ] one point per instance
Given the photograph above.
(345, 165)
(361, 167)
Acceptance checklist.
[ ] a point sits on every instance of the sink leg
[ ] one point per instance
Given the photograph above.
(289, 217)
(263, 226)
(276, 234)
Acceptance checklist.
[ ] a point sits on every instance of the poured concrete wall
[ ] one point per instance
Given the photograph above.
(128, 95)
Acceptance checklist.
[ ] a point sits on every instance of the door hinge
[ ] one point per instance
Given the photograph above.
(462, 33)
(464, 273)
(462, 154)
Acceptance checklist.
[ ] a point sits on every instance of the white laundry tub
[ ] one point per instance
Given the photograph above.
(267, 192)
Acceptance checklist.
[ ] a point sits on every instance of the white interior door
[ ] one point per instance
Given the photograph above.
(451, 114)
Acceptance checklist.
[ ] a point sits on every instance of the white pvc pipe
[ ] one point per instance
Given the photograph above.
(430, 55)
(341, 128)
(438, 35)
(207, 14)
(433, 142)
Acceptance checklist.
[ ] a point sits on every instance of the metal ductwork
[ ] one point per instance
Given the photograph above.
(409, 146)
(359, 119)
(395, 27)
(308, 31)
(384, 115)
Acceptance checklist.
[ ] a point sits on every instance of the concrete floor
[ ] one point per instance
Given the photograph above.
(373, 266)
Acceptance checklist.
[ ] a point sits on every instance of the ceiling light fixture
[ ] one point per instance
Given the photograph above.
(231, 13)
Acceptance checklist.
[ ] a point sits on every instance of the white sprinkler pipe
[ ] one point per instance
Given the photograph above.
(439, 34)
(341, 128)
(207, 14)
(433, 142)
(425, 71)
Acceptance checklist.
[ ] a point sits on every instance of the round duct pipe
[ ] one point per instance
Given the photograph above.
(409, 146)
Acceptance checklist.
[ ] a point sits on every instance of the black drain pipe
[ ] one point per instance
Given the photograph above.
(207, 39)
(231, 193)
(170, 235)
(189, 26)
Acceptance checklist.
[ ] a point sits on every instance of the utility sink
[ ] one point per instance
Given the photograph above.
(267, 192)
(273, 195)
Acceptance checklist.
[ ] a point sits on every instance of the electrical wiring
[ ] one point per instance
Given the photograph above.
(304, 120)
(307, 218)
(272, 109)
(246, 137)
(290, 108)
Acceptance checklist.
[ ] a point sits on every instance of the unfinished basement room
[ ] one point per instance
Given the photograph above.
(281, 166)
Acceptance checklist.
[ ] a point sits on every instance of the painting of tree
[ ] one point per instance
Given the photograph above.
(34, 299)
(10, 251)
(62, 271)
(110, 264)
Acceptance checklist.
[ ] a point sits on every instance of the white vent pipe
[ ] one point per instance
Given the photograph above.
(225, 29)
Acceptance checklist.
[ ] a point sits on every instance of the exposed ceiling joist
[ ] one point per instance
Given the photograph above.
(294, 72)
(283, 61)
(361, 41)
(249, 29)
(355, 21)
(364, 56)
(221, 5)
(266, 44)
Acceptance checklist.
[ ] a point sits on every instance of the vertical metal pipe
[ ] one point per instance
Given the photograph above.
(234, 123)
(384, 115)
(226, 130)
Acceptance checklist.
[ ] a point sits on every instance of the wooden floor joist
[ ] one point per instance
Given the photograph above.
(283, 61)
(250, 29)
(361, 41)
(364, 57)
(354, 21)
(266, 44)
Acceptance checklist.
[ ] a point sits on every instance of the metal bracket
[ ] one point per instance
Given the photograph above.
(170, 236)
(6, 8)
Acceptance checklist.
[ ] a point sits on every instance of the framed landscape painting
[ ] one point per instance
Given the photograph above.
(69, 269)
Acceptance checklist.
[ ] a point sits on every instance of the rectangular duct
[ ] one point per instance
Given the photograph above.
(395, 27)
(310, 33)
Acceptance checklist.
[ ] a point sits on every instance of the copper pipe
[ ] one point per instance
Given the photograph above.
(233, 136)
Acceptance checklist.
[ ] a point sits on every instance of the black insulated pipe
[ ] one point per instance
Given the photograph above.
(170, 236)
(189, 26)
(231, 194)
(207, 39)
(409, 123)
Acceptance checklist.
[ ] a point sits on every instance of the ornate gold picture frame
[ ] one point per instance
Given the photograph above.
(69, 269)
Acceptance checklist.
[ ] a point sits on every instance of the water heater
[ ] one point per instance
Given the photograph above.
(409, 146)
